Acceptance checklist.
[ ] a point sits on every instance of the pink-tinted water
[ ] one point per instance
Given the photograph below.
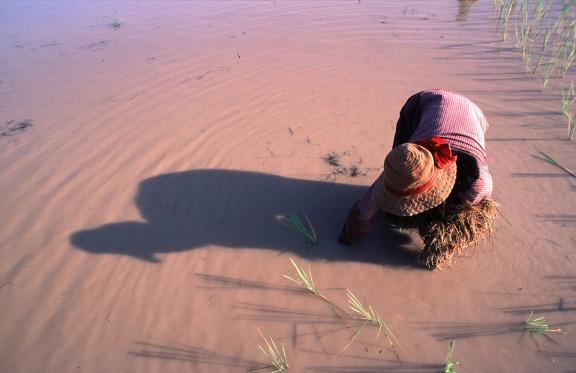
(138, 230)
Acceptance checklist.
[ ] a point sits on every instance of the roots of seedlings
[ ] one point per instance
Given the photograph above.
(461, 226)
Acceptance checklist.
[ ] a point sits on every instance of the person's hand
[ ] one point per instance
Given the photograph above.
(354, 228)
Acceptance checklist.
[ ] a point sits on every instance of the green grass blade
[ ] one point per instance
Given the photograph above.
(553, 162)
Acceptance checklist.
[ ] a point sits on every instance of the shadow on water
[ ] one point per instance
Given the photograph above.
(237, 209)
(405, 367)
(462, 330)
(561, 306)
(195, 355)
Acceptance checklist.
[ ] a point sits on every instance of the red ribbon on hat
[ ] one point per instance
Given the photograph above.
(440, 150)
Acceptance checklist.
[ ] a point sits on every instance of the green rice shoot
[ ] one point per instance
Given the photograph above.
(537, 325)
(278, 359)
(300, 225)
(546, 158)
(568, 98)
(449, 364)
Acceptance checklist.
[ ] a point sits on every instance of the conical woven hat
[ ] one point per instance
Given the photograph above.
(410, 183)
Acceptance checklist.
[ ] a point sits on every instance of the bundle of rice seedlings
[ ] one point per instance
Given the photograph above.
(449, 364)
(537, 325)
(300, 225)
(278, 359)
(458, 227)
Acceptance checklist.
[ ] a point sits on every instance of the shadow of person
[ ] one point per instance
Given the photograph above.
(237, 209)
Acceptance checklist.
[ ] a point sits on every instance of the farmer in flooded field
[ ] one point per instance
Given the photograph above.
(435, 178)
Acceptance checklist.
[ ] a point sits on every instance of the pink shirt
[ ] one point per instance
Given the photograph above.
(462, 124)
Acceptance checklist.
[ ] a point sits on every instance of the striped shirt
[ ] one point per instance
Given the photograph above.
(461, 123)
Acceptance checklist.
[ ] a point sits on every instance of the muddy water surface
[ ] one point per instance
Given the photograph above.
(141, 170)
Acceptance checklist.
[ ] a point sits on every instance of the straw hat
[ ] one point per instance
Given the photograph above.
(416, 177)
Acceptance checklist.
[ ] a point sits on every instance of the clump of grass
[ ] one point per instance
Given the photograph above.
(300, 225)
(278, 359)
(116, 24)
(304, 279)
(449, 364)
(367, 314)
(537, 325)
(546, 158)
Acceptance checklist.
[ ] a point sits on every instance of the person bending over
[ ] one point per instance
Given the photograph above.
(435, 178)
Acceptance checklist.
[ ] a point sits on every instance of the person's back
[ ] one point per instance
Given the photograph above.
(460, 123)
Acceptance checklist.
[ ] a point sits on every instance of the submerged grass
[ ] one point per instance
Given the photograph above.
(300, 224)
(278, 359)
(449, 364)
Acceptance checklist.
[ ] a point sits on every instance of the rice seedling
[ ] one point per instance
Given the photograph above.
(304, 279)
(553, 162)
(278, 359)
(569, 52)
(568, 98)
(548, 71)
(300, 225)
(537, 325)
(547, 32)
(368, 314)
(522, 43)
(449, 364)
(505, 13)
(572, 129)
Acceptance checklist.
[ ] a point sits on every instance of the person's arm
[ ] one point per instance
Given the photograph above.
(361, 218)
